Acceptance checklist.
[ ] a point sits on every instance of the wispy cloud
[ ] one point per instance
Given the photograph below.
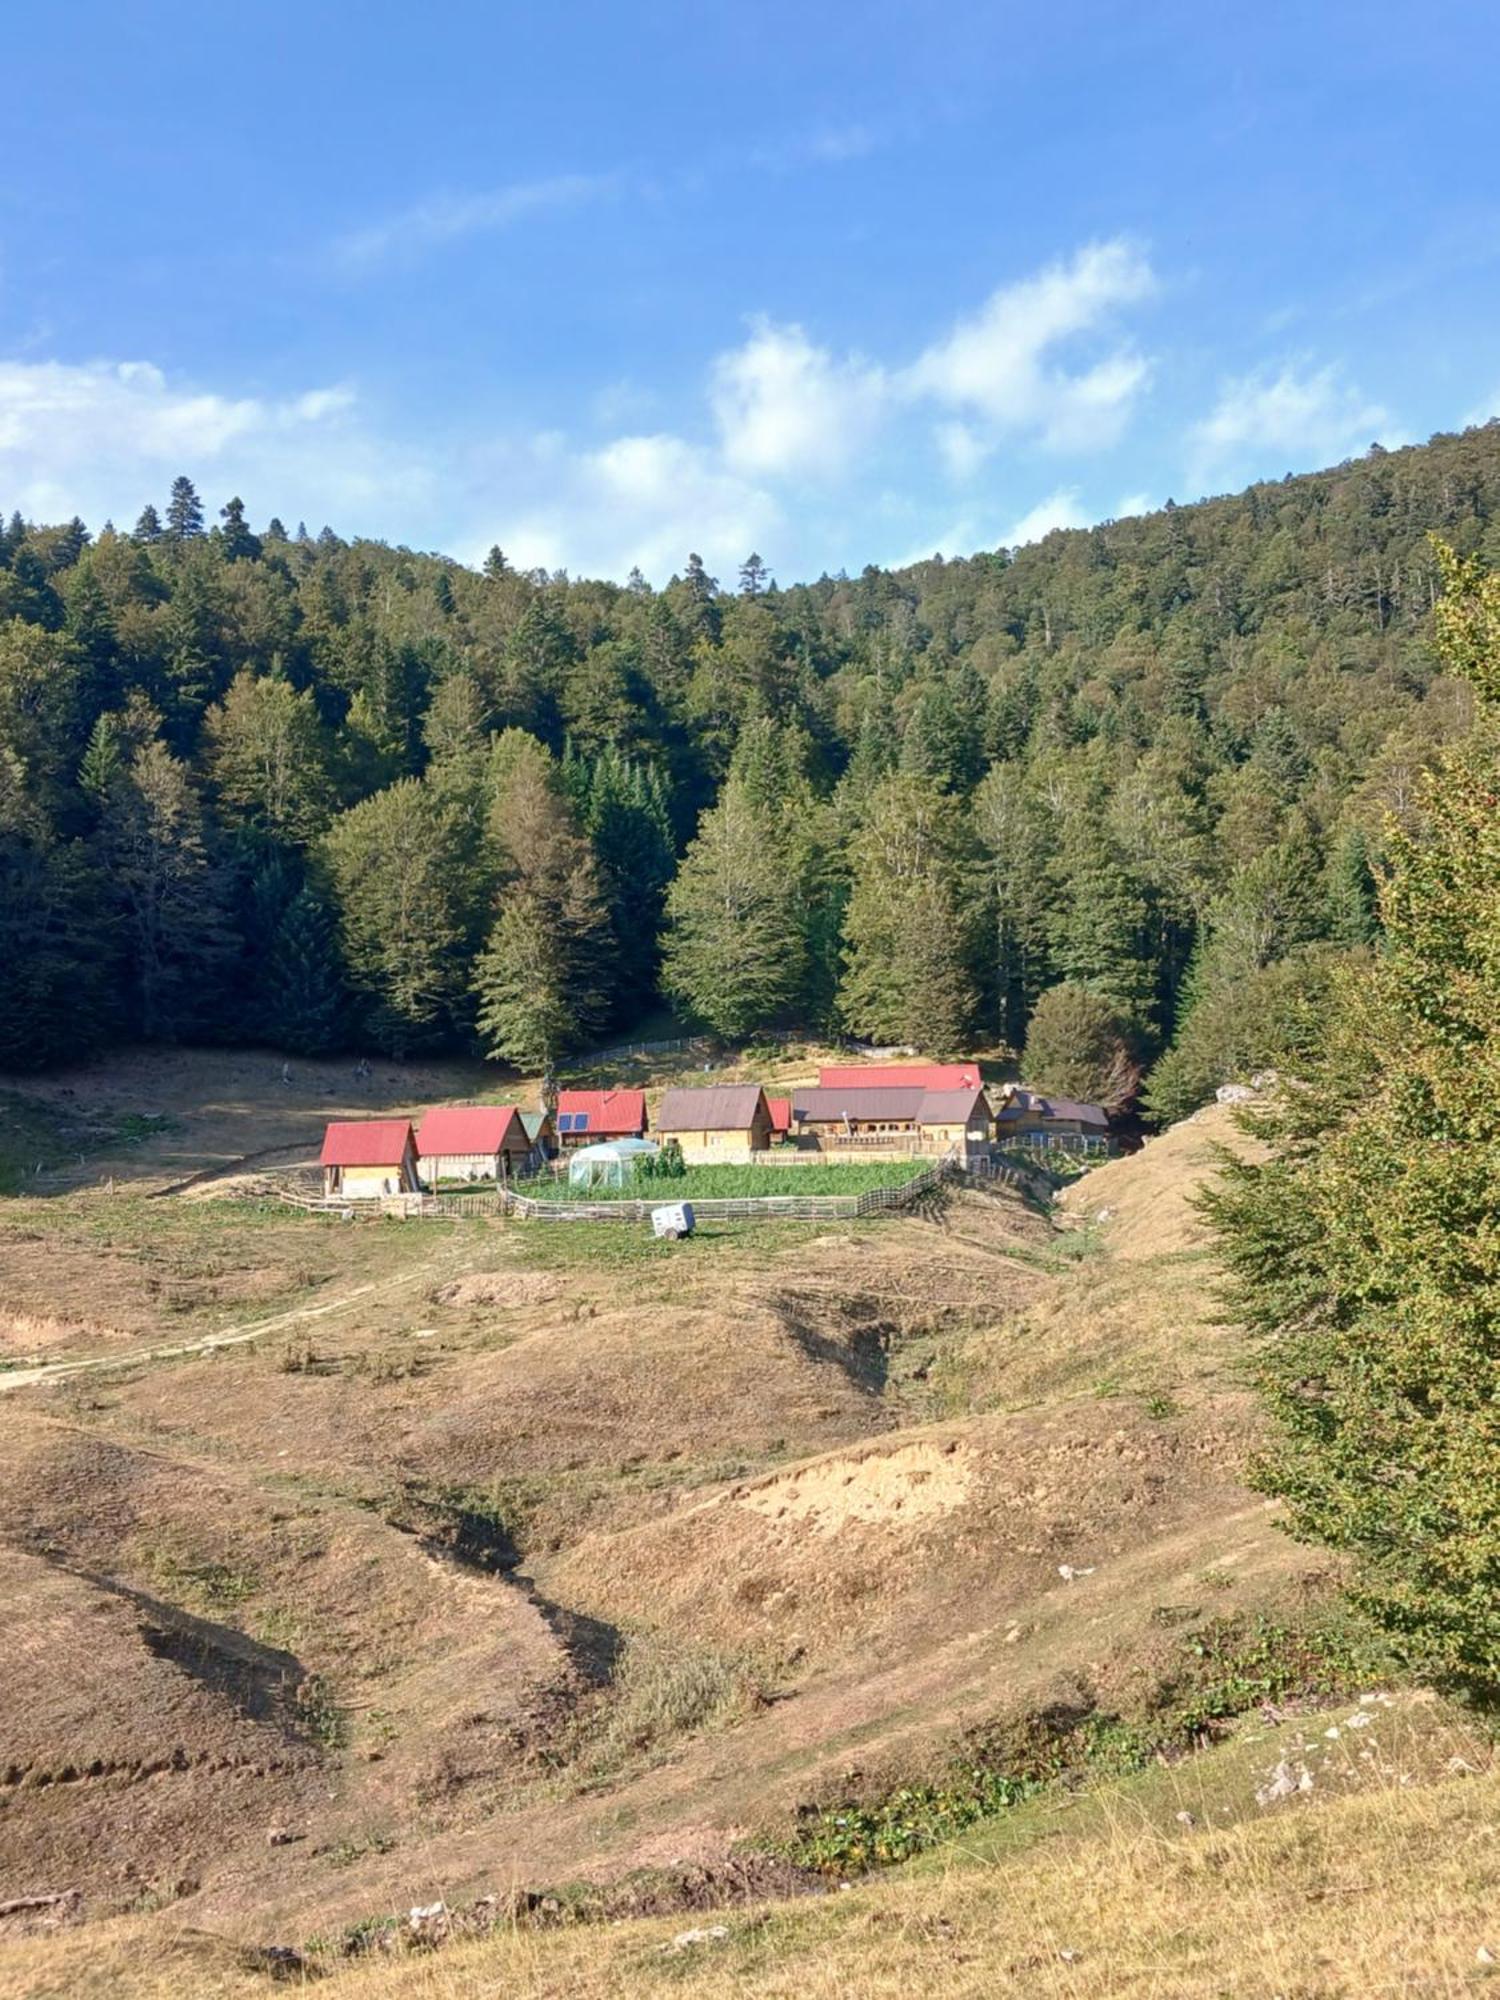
(102, 437)
(1013, 366)
(1058, 510)
(446, 218)
(820, 145)
(1278, 420)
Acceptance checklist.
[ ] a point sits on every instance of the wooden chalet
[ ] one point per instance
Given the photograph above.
(1037, 1116)
(903, 1119)
(719, 1121)
(472, 1142)
(365, 1158)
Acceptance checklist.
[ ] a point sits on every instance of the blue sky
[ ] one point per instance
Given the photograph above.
(840, 283)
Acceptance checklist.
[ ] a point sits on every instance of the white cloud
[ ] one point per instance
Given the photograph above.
(784, 406)
(100, 438)
(1002, 365)
(641, 501)
(445, 218)
(1281, 422)
(1130, 504)
(1058, 510)
(1485, 410)
(963, 450)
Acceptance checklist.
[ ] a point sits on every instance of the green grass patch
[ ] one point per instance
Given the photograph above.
(1211, 1678)
(730, 1183)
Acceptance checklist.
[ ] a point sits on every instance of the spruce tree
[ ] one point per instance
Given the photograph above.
(184, 511)
(1362, 1248)
(543, 980)
(910, 938)
(302, 987)
(148, 528)
(236, 541)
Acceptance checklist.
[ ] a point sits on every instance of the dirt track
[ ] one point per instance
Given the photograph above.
(234, 1336)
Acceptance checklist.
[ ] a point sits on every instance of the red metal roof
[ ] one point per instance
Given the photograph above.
(611, 1114)
(901, 1076)
(464, 1128)
(780, 1109)
(366, 1142)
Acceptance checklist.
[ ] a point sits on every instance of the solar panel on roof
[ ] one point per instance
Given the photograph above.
(565, 1121)
(580, 1121)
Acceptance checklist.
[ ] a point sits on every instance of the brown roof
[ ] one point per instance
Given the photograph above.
(711, 1107)
(911, 1106)
(1019, 1100)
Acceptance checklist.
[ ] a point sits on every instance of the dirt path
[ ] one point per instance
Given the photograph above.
(448, 1265)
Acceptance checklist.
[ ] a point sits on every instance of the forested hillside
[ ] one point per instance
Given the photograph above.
(255, 784)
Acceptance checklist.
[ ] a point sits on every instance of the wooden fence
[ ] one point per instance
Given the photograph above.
(504, 1201)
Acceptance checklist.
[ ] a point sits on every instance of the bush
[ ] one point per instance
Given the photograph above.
(1078, 1045)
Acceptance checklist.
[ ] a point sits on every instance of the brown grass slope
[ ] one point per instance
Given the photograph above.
(598, 1554)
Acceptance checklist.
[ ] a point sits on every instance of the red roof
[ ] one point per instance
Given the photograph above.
(607, 1114)
(780, 1109)
(901, 1076)
(464, 1128)
(366, 1142)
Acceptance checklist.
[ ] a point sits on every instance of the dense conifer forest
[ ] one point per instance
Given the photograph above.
(1126, 792)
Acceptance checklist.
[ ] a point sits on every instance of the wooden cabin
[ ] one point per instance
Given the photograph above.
(584, 1116)
(716, 1122)
(472, 1142)
(364, 1158)
(907, 1119)
(1036, 1115)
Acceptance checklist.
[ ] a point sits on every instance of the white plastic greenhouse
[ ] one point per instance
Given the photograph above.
(611, 1163)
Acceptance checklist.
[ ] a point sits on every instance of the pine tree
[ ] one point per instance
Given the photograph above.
(235, 538)
(1362, 1248)
(302, 988)
(148, 528)
(56, 947)
(754, 576)
(184, 511)
(542, 980)
(909, 934)
(172, 897)
(625, 814)
(1351, 890)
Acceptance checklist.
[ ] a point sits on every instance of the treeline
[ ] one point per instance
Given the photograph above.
(1123, 793)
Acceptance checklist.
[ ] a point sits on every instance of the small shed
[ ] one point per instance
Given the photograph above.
(472, 1142)
(780, 1109)
(364, 1158)
(716, 1121)
(584, 1116)
(541, 1133)
(611, 1164)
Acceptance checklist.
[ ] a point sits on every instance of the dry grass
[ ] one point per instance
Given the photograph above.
(1386, 1891)
(843, 1467)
